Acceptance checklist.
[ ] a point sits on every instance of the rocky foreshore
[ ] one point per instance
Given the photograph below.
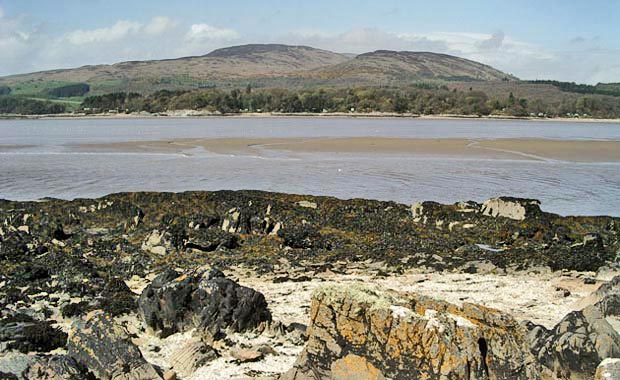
(248, 284)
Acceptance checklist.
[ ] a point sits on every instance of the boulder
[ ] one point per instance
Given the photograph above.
(609, 369)
(363, 332)
(204, 299)
(575, 346)
(157, 242)
(104, 348)
(512, 208)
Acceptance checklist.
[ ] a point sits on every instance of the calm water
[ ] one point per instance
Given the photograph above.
(50, 168)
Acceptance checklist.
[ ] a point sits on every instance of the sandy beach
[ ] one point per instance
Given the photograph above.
(510, 149)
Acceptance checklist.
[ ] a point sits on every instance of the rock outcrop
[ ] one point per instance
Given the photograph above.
(582, 339)
(204, 299)
(104, 348)
(511, 208)
(361, 332)
(68, 258)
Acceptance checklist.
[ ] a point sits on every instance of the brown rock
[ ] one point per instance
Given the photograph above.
(353, 367)
(244, 355)
(362, 332)
(170, 375)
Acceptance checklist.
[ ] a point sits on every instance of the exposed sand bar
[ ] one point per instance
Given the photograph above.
(519, 149)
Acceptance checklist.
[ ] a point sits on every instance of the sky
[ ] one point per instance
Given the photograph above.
(568, 40)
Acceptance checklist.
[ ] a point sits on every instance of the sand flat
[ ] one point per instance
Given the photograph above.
(513, 149)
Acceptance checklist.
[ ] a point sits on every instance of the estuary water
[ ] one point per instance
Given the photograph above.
(39, 158)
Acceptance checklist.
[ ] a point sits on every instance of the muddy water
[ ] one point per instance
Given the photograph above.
(38, 159)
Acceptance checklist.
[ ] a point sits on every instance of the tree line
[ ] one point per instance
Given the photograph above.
(24, 106)
(425, 100)
(611, 89)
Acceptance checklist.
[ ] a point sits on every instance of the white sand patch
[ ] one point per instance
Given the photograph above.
(526, 296)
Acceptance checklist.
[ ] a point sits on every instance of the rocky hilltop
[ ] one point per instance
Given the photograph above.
(144, 286)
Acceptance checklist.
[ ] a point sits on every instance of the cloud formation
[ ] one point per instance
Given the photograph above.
(159, 25)
(206, 32)
(26, 46)
(115, 32)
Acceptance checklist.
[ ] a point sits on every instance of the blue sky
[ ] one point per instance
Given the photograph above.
(565, 40)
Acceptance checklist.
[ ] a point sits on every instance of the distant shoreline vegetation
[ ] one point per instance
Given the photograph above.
(423, 99)
(479, 99)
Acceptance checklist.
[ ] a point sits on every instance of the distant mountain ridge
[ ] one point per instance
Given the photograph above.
(274, 65)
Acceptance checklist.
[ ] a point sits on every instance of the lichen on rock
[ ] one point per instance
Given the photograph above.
(403, 336)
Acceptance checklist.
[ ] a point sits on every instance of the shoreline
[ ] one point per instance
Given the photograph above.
(183, 114)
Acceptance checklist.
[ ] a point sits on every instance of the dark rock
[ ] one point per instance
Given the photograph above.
(77, 309)
(174, 302)
(25, 334)
(575, 346)
(209, 240)
(304, 237)
(281, 279)
(116, 298)
(56, 367)
(105, 349)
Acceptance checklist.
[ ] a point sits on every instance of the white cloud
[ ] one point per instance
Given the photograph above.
(1, 12)
(121, 30)
(115, 32)
(159, 25)
(497, 49)
(206, 32)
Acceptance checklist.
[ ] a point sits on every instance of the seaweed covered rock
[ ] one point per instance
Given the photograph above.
(362, 332)
(25, 334)
(205, 299)
(104, 348)
(209, 240)
(55, 367)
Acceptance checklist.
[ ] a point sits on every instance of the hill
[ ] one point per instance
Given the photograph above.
(271, 65)
(387, 66)
(227, 64)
